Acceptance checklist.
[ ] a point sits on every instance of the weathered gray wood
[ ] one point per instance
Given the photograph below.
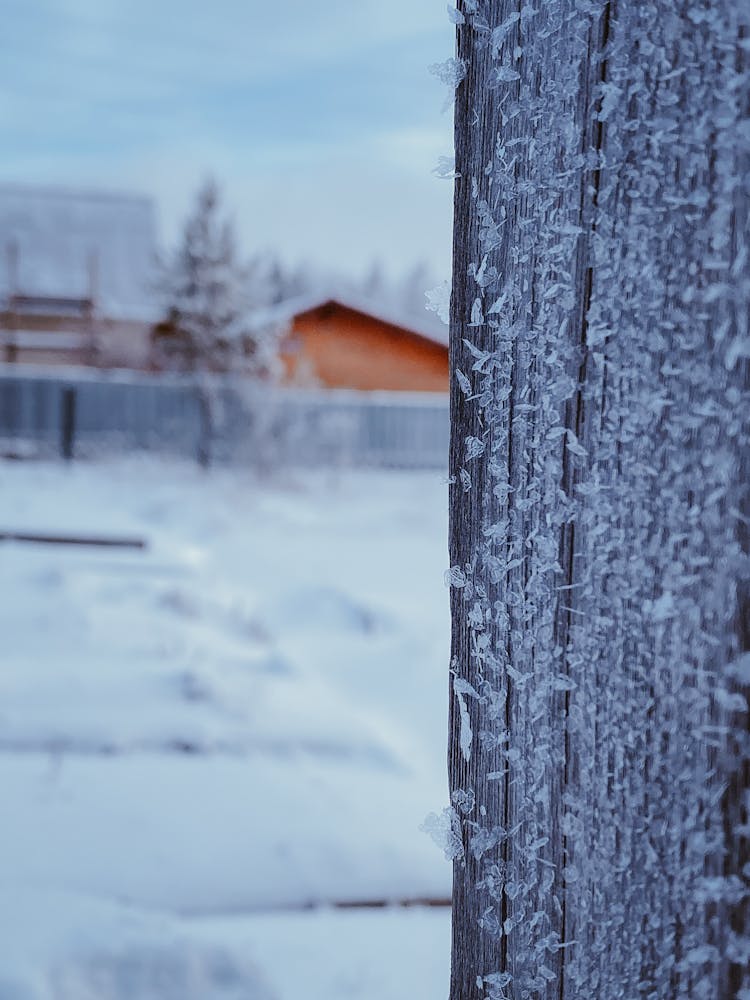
(599, 468)
(95, 541)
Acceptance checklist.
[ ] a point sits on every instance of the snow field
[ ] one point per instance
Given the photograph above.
(247, 716)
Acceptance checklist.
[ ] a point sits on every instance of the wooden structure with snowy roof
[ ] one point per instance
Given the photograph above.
(338, 342)
(75, 276)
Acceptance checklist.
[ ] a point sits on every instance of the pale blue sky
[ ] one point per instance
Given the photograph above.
(320, 119)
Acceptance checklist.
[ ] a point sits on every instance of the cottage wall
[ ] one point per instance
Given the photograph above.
(336, 347)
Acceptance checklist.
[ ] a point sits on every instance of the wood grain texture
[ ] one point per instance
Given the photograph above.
(599, 474)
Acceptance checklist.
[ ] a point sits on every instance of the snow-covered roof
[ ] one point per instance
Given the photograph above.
(59, 243)
(285, 312)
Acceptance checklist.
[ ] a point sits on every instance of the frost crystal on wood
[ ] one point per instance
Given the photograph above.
(599, 501)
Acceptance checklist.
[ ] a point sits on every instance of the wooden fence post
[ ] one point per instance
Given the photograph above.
(67, 422)
(599, 473)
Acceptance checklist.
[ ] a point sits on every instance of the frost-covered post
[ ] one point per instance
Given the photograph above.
(600, 464)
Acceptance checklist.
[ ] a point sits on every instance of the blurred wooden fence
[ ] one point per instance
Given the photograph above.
(83, 413)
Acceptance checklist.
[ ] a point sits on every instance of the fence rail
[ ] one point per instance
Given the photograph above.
(81, 412)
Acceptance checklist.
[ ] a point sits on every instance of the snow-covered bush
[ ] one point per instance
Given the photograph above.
(208, 297)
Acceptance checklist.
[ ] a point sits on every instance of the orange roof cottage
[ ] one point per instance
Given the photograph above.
(336, 342)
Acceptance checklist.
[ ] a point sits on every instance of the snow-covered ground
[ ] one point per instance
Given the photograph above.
(200, 740)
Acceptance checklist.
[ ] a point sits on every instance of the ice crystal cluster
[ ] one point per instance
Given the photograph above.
(599, 501)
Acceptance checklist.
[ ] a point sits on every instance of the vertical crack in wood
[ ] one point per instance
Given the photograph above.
(597, 46)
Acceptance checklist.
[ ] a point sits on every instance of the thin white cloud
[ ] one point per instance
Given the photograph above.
(322, 118)
(226, 40)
